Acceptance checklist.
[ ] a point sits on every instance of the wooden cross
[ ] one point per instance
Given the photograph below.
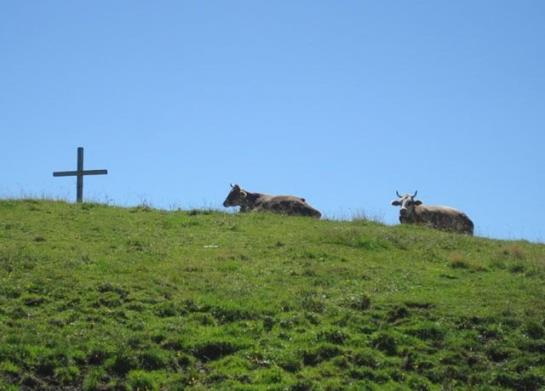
(80, 173)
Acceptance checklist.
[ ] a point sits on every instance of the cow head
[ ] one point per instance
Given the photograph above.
(407, 203)
(235, 197)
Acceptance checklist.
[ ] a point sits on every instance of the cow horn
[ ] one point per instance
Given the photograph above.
(232, 185)
(397, 193)
(416, 191)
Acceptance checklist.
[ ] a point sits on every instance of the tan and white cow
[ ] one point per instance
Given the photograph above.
(258, 202)
(440, 217)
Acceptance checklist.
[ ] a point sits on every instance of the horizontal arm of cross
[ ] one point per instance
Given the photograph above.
(85, 172)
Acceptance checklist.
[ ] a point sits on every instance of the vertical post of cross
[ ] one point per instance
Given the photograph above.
(79, 196)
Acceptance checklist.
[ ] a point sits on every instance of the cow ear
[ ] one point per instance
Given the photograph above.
(417, 202)
(243, 194)
(396, 202)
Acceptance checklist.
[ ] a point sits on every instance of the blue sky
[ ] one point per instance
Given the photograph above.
(342, 103)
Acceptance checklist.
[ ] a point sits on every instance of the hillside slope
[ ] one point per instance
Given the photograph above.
(97, 297)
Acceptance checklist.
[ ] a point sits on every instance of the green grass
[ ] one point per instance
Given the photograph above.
(96, 297)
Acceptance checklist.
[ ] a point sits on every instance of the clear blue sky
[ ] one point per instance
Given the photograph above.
(341, 102)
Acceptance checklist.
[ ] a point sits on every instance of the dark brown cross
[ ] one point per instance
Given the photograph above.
(80, 173)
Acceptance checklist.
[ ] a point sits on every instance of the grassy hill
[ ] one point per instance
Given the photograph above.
(97, 297)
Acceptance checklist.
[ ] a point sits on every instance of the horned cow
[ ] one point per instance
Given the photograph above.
(258, 202)
(440, 217)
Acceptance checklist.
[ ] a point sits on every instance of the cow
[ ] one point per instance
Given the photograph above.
(438, 217)
(257, 202)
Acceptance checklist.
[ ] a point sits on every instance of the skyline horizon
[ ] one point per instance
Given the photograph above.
(341, 214)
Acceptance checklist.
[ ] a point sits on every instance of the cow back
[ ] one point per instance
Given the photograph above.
(444, 218)
(289, 205)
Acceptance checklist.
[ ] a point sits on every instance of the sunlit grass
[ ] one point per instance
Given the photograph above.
(102, 297)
